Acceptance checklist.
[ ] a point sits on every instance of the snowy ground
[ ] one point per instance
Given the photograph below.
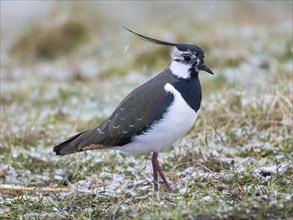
(66, 66)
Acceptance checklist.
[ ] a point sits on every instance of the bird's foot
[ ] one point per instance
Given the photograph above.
(157, 169)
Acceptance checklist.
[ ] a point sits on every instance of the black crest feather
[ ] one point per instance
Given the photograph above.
(152, 40)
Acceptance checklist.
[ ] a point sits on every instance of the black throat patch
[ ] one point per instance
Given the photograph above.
(190, 90)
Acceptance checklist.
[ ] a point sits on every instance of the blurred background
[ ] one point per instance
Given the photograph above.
(64, 40)
(65, 65)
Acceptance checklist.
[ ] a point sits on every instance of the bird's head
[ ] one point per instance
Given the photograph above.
(185, 58)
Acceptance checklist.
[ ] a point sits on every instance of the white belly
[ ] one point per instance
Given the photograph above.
(178, 119)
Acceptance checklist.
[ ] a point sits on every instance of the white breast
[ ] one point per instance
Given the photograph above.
(178, 119)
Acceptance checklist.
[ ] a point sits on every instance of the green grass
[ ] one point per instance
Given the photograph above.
(235, 163)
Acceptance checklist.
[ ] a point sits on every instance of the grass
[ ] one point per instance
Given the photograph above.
(235, 163)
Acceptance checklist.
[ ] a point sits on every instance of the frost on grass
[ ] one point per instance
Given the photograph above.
(235, 162)
(239, 151)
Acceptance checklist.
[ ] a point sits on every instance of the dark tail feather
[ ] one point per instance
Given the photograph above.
(66, 147)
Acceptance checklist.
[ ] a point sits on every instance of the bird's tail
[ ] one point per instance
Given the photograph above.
(66, 146)
(80, 142)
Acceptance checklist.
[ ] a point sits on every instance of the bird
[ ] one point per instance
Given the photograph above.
(153, 116)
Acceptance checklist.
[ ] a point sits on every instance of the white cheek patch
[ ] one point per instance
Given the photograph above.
(181, 70)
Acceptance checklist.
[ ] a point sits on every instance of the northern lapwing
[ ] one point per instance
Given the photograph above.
(154, 115)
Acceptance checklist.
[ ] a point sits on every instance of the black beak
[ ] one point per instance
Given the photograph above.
(205, 68)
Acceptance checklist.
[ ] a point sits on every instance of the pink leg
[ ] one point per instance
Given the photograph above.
(156, 169)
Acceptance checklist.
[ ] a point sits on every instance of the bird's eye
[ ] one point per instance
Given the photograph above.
(187, 58)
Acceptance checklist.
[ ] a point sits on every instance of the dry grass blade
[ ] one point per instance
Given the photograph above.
(33, 189)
